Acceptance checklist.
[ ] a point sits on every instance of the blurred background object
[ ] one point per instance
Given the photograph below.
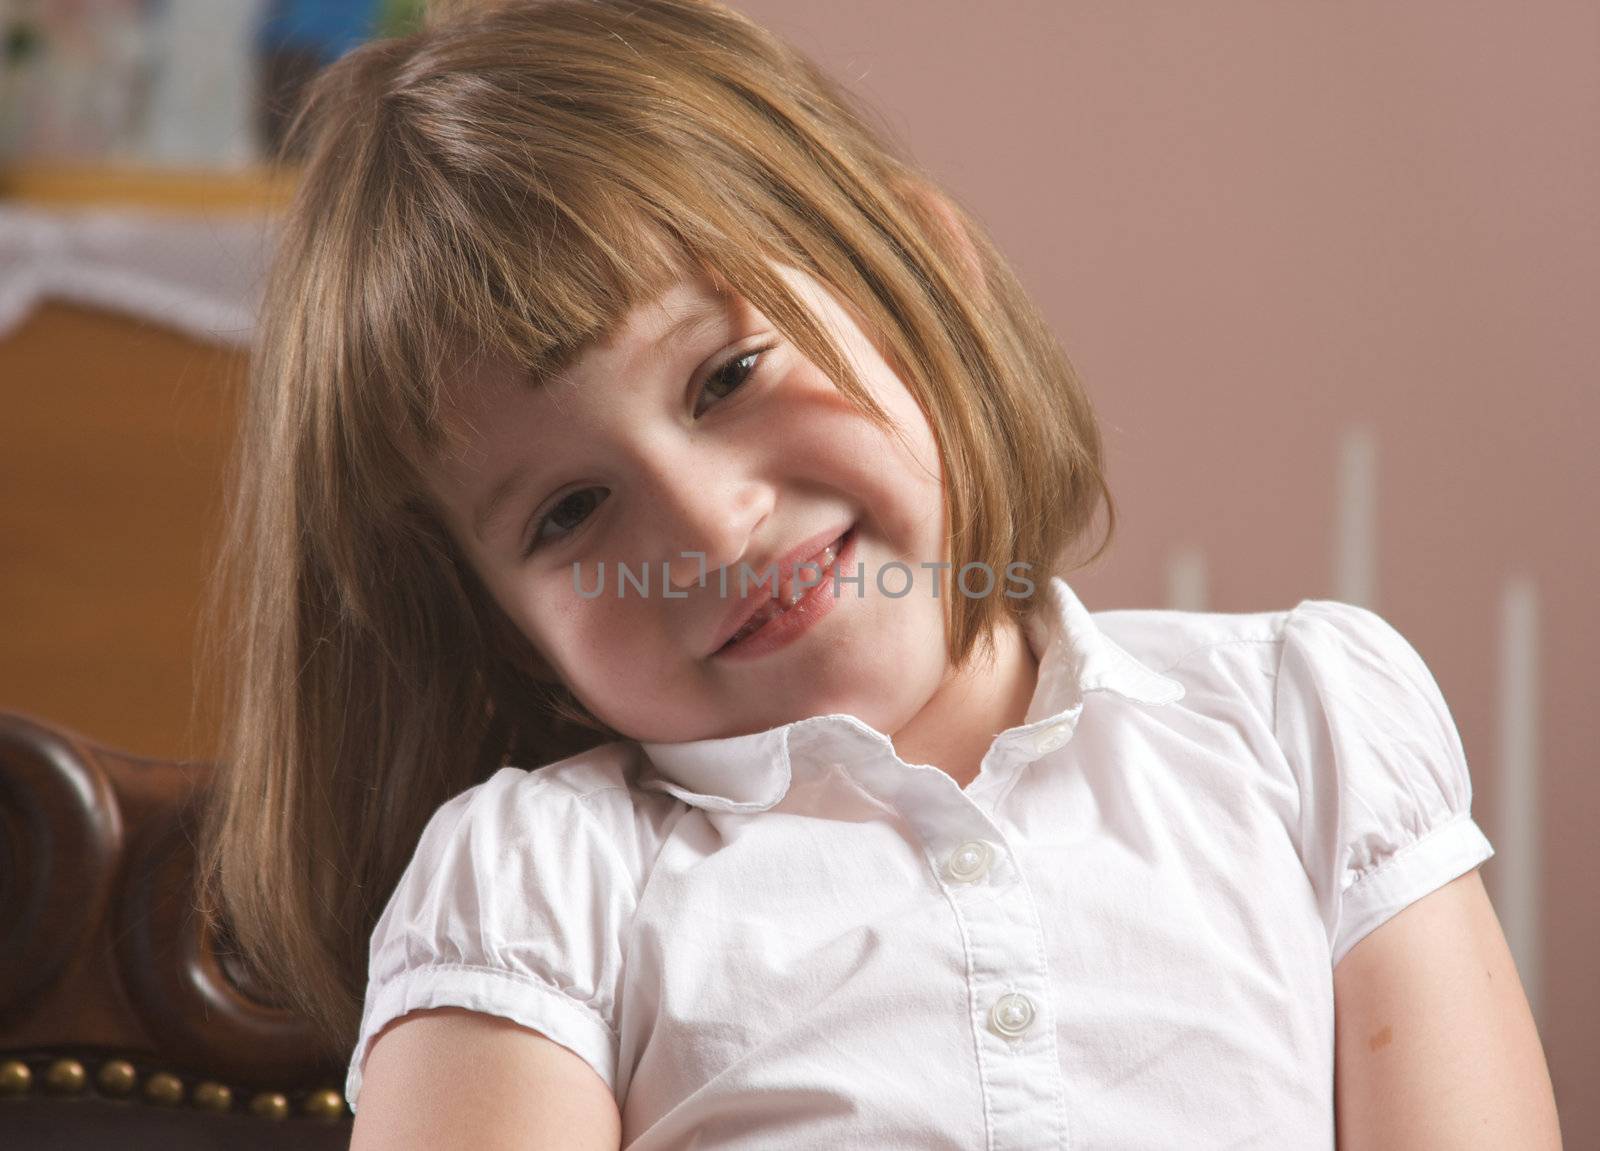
(137, 219)
(137, 207)
(126, 1019)
(193, 83)
(77, 78)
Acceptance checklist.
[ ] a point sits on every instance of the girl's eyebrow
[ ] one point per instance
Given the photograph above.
(700, 315)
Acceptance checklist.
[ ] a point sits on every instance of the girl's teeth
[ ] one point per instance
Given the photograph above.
(823, 562)
(771, 608)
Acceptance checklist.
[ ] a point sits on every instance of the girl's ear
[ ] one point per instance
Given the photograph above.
(948, 220)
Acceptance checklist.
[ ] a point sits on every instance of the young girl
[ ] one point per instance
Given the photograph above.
(659, 717)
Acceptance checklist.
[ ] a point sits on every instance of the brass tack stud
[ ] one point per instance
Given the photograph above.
(16, 1077)
(324, 1104)
(164, 1088)
(65, 1076)
(117, 1077)
(270, 1105)
(209, 1096)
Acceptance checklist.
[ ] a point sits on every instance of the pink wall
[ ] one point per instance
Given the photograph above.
(1257, 225)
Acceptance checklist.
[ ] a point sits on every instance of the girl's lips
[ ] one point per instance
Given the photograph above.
(816, 601)
(786, 570)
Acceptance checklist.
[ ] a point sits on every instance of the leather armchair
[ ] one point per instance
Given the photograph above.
(119, 1019)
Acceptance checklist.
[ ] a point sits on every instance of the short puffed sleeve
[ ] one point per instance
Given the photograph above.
(515, 903)
(1386, 795)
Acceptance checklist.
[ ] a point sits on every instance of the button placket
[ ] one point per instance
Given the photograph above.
(994, 932)
(999, 936)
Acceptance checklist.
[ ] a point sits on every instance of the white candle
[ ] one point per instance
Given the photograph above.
(1516, 888)
(1186, 580)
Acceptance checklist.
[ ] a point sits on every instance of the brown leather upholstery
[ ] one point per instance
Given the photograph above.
(118, 1019)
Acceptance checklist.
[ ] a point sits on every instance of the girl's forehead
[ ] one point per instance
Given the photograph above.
(686, 307)
(487, 384)
(696, 308)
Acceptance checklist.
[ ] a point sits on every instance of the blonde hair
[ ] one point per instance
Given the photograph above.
(514, 180)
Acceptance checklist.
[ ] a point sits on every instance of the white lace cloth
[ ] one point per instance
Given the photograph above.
(202, 275)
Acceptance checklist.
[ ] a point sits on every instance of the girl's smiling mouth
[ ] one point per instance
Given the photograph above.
(770, 625)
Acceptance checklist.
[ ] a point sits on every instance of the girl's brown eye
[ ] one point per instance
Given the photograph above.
(733, 374)
(556, 514)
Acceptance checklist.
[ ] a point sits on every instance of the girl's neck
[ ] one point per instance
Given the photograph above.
(957, 725)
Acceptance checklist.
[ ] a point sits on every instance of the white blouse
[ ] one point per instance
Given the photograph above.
(1121, 934)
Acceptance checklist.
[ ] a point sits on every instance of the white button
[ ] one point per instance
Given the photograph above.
(1011, 1015)
(970, 861)
(1051, 738)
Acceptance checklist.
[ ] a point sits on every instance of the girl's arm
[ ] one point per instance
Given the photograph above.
(446, 1078)
(1435, 1045)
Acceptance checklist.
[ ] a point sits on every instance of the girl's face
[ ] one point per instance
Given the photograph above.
(713, 437)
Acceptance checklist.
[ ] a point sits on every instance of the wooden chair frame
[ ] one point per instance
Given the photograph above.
(119, 1018)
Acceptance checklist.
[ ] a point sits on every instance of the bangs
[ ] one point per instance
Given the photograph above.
(533, 280)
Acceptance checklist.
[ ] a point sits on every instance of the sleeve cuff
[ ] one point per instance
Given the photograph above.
(1445, 853)
(520, 999)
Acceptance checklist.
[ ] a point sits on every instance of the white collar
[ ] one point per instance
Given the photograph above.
(752, 772)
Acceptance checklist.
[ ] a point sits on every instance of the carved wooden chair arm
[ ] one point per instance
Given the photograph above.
(118, 1017)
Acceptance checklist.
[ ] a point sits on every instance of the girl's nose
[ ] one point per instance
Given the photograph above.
(711, 513)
